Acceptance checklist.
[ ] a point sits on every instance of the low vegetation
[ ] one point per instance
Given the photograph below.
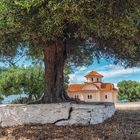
(28, 81)
(18, 81)
(129, 90)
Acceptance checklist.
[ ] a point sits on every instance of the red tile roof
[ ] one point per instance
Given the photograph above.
(93, 74)
(107, 86)
(75, 87)
(78, 87)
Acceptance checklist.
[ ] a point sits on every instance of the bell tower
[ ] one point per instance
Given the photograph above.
(94, 77)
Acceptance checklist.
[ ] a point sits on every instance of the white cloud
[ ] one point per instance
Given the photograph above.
(106, 67)
(110, 71)
(78, 75)
(76, 78)
(109, 66)
(120, 71)
(115, 85)
(81, 68)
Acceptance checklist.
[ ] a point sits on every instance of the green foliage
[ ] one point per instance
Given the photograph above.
(1, 98)
(16, 81)
(21, 100)
(33, 82)
(67, 71)
(10, 81)
(129, 90)
(30, 81)
(113, 25)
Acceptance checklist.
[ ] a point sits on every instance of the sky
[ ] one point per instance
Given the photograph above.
(112, 73)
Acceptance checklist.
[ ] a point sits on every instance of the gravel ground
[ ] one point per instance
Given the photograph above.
(124, 125)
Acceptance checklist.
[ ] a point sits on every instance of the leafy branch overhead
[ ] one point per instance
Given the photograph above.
(113, 25)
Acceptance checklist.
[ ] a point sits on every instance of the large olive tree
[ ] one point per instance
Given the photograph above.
(59, 28)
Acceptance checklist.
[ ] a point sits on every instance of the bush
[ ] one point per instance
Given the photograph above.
(129, 90)
(21, 100)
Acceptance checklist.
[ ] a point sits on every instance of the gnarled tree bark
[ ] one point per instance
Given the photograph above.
(54, 59)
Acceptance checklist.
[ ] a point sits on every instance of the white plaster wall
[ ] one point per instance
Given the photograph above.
(115, 96)
(89, 87)
(98, 84)
(73, 95)
(109, 96)
(94, 79)
(97, 96)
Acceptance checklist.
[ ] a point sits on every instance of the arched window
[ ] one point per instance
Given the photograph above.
(89, 96)
(105, 96)
(76, 97)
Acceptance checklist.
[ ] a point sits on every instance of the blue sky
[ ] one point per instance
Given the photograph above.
(112, 73)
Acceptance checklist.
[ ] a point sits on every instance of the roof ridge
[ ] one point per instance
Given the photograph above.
(93, 73)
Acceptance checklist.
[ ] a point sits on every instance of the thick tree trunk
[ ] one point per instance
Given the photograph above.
(54, 59)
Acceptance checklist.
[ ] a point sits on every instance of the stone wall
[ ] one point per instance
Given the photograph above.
(59, 114)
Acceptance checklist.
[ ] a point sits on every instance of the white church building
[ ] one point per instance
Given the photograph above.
(94, 90)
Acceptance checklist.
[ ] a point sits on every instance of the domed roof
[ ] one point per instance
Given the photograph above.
(93, 74)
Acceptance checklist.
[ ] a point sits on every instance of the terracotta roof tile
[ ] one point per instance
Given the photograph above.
(93, 74)
(78, 87)
(107, 86)
(91, 83)
(75, 87)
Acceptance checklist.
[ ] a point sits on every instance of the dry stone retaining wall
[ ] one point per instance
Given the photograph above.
(59, 114)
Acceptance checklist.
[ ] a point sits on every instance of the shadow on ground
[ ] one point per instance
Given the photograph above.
(124, 125)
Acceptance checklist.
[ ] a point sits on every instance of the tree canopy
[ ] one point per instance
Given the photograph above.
(1, 98)
(113, 25)
(129, 90)
(28, 81)
(17, 81)
(70, 31)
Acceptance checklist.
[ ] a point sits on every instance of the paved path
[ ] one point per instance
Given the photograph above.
(133, 105)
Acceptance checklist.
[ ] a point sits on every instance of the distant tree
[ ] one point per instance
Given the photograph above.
(21, 100)
(129, 90)
(59, 30)
(29, 81)
(1, 98)
(16, 81)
